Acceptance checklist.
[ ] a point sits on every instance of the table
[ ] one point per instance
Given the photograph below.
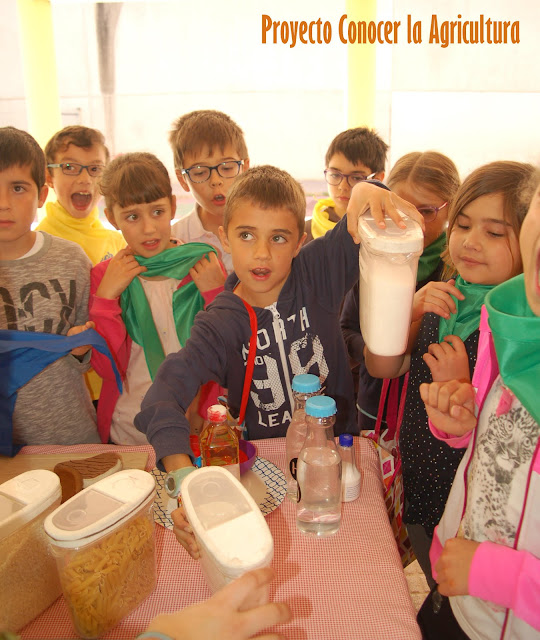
(350, 586)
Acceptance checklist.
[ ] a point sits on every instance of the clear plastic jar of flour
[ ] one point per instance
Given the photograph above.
(388, 265)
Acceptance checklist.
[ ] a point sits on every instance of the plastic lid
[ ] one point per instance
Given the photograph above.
(226, 520)
(26, 496)
(321, 406)
(217, 413)
(391, 239)
(345, 439)
(306, 383)
(94, 511)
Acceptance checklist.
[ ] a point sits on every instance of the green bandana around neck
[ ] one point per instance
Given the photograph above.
(186, 301)
(467, 318)
(516, 336)
(430, 258)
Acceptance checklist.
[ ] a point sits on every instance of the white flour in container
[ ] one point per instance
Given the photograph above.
(386, 296)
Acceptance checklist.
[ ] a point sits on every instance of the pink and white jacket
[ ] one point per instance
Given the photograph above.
(508, 577)
(107, 315)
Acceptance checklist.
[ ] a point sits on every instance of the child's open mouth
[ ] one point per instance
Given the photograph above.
(151, 244)
(261, 273)
(219, 199)
(81, 200)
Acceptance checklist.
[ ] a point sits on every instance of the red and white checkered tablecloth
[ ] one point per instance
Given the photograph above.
(347, 587)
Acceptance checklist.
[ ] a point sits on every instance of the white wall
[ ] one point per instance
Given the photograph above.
(476, 103)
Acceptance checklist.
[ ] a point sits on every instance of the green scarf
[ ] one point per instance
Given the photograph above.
(467, 318)
(186, 301)
(430, 258)
(516, 335)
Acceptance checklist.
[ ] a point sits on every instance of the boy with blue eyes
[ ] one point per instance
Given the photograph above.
(279, 311)
(76, 157)
(209, 154)
(353, 156)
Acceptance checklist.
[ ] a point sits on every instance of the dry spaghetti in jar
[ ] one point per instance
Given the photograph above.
(103, 541)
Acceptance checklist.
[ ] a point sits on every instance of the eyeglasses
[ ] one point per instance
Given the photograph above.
(199, 173)
(75, 169)
(429, 213)
(335, 177)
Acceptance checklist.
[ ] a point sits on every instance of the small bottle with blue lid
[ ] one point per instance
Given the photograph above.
(318, 510)
(350, 475)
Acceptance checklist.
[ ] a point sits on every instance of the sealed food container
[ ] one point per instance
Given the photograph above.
(103, 541)
(388, 265)
(28, 576)
(228, 525)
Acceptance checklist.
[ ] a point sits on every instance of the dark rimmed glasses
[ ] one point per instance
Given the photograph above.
(199, 173)
(335, 177)
(429, 213)
(75, 169)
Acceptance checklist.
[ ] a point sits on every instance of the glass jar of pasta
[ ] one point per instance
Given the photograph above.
(103, 541)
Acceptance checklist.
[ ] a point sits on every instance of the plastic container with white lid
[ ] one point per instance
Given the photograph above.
(28, 576)
(231, 531)
(388, 266)
(103, 541)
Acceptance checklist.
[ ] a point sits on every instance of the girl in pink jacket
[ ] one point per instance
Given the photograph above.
(486, 548)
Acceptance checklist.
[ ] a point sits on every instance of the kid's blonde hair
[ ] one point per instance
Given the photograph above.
(135, 178)
(429, 169)
(505, 177)
(193, 131)
(267, 187)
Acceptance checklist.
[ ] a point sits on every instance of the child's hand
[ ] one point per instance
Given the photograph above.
(454, 565)
(208, 273)
(436, 297)
(448, 360)
(184, 533)
(239, 611)
(380, 202)
(450, 406)
(122, 269)
(80, 351)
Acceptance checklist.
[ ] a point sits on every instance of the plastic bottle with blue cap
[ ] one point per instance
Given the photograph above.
(304, 386)
(351, 477)
(318, 511)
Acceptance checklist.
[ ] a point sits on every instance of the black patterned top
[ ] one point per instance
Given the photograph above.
(429, 465)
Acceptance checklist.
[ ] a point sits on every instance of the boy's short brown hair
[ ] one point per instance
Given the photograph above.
(194, 130)
(269, 188)
(80, 136)
(135, 178)
(360, 145)
(19, 149)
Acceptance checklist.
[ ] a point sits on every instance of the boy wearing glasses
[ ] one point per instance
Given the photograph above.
(209, 153)
(353, 156)
(76, 157)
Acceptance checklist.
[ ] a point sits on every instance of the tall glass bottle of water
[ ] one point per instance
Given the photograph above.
(318, 511)
(304, 386)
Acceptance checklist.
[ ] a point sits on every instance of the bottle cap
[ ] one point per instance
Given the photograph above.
(217, 413)
(345, 439)
(306, 383)
(320, 406)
